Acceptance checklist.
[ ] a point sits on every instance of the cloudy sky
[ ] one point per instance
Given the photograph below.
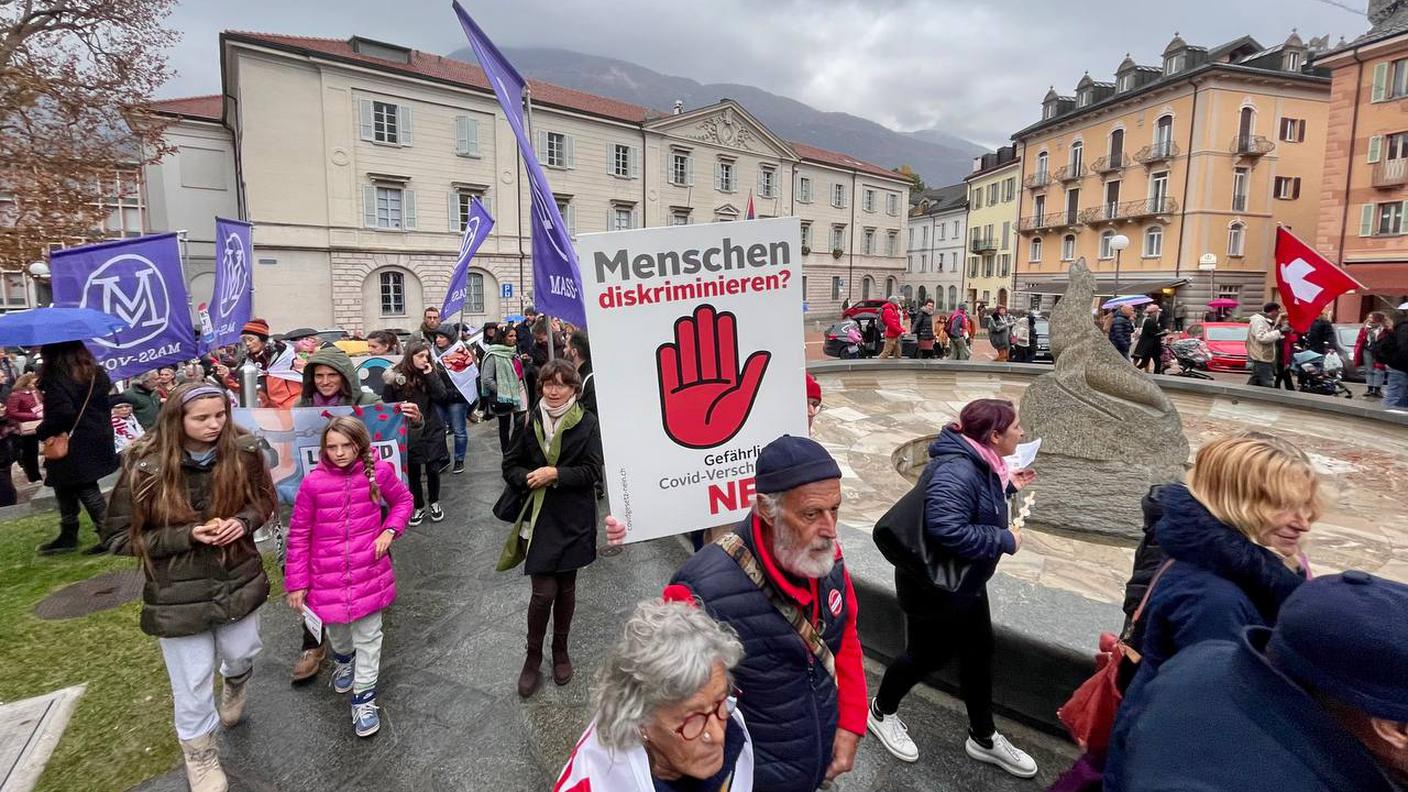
(977, 69)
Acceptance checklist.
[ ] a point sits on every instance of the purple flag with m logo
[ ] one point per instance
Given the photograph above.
(557, 281)
(476, 228)
(140, 282)
(233, 300)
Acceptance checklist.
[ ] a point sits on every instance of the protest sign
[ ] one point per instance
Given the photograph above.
(293, 437)
(233, 299)
(706, 364)
(370, 368)
(463, 371)
(140, 282)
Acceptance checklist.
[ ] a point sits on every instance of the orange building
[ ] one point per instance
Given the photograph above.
(1194, 163)
(1364, 198)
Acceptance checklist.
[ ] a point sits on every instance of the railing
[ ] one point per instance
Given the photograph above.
(1049, 220)
(1251, 146)
(1129, 210)
(1037, 180)
(1162, 151)
(983, 245)
(1391, 173)
(1110, 164)
(1070, 173)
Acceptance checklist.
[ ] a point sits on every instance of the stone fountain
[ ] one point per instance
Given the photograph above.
(1108, 432)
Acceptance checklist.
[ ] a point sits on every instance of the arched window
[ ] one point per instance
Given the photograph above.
(1107, 251)
(1246, 122)
(908, 293)
(889, 287)
(392, 285)
(474, 294)
(1077, 158)
(1035, 255)
(923, 295)
(866, 287)
(1117, 148)
(1068, 247)
(1153, 241)
(1163, 135)
(1042, 161)
(1236, 239)
(952, 297)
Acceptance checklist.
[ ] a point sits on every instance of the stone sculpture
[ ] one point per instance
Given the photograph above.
(1108, 432)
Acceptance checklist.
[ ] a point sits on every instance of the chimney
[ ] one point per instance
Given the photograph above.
(679, 107)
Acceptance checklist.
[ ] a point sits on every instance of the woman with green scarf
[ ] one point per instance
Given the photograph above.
(503, 387)
(557, 464)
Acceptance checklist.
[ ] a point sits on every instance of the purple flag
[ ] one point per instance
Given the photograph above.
(476, 229)
(557, 281)
(232, 302)
(140, 282)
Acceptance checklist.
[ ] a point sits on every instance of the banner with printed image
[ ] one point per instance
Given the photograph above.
(293, 437)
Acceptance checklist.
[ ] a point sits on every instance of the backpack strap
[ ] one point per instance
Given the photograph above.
(733, 546)
(1130, 651)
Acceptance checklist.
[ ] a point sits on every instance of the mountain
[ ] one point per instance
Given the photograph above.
(938, 157)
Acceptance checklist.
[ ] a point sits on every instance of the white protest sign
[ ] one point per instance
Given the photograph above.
(463, 371)
(700, 362)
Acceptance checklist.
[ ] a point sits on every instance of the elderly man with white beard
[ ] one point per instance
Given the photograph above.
(779, 580)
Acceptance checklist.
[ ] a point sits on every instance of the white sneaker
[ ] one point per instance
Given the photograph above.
(1002, 754)
(893, 734)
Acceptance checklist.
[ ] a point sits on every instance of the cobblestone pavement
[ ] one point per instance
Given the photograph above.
(451, 719)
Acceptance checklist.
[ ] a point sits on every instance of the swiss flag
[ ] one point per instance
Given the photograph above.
(1307, 280)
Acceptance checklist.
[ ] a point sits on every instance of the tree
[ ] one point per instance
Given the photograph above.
(916, 179)
(76, 81)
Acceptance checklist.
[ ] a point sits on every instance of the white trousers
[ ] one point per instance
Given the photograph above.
(190, 662)
(364, 638)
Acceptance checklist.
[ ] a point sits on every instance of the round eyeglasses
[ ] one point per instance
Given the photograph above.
(695, 724)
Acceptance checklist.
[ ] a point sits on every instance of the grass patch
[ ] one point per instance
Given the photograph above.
(121, 732)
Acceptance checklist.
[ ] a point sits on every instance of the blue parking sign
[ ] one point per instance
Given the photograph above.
(506, 290)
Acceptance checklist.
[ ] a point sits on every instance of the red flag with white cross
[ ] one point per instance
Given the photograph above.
(1307, 280)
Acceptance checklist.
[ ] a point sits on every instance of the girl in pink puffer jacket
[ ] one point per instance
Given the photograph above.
(338, 564)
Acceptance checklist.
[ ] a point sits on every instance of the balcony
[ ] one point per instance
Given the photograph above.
(1037, 180)
(1390, 174)
(1111, 164)
(1049, 220)
(1251, 146)
(1128, 211)
(983, 245)
(1163, 151)
(1070, 173)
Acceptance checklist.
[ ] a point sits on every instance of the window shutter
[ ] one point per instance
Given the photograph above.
(472, 127)
(571, 155)
(542, 144)
(453, 209)
(461, 135)
(635, 218)
(610, 159)
(610, 218)
(366, 118)
(1402, 219)
(488, 201)
(408, 208)
(571, 220)
(1366, 220)
(1380, 82)
(634, 158)
(1300, 131)
(369, 206)
(1006, 234)
(403, 124)
(1376, 146)
(1295, 188)
(689, 170)
(718, 176)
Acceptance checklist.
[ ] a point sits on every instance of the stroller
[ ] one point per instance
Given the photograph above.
(1318, 373)
(1192, 356)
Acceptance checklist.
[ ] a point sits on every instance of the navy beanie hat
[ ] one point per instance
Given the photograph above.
(1345, 636)
(789, 462)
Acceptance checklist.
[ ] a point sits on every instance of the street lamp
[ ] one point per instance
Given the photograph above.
(37, 271)
(1118, 243)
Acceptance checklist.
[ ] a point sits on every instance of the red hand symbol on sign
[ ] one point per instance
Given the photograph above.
(704, 397)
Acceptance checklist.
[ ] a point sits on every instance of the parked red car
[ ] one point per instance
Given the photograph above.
(1227, 341)
(863, 308)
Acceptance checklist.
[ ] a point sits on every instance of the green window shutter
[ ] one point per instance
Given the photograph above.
(452, 210)
(1376, 148)
(1366, 220)
(1380, 82)
(365, 118)
(408, 209)
(369, 206)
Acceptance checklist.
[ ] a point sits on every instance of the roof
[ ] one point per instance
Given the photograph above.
(205, 108)
(448, 70)
(1394, 23)
(946, 199)
(838, 160)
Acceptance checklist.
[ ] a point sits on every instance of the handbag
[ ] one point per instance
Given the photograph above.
(509, 506)
(30, 427)
(56, 447)
(900, 537)
(1089, 714)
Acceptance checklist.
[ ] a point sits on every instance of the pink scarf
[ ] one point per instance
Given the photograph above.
(997, 463)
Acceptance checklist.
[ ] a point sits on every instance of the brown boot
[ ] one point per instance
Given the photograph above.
(539, 611)
(203, 771)
(309, 662)
(561, 663)
(563, 606)
(531, 677)
(231, 706)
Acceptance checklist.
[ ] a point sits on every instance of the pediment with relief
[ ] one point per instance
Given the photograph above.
(725, 125)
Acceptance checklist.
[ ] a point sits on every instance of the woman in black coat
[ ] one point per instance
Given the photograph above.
(75, 390)
(1150, 349)
(965, 518)
(558, 462)
(415, 380)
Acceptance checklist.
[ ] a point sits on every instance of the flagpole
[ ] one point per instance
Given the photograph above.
(528, 118)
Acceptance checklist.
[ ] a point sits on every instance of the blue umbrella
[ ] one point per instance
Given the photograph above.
(51, 325)
(1128, 299)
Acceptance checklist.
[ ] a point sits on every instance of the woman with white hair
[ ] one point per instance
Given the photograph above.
(665, 708)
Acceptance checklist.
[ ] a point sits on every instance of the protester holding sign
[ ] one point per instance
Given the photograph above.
(414, 380)
(454, 408)
(76, 435)
(191, 494)
(554, 467)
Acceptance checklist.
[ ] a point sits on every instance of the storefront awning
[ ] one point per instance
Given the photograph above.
(1105, 286)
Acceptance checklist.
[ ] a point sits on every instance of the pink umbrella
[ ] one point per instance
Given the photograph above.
(1223, 302)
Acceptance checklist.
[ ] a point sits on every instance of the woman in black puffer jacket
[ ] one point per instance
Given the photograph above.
(965, 517)
(75, 390)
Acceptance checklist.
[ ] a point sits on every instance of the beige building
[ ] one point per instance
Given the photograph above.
(358, 159)
(993, 199)
(1196, 160)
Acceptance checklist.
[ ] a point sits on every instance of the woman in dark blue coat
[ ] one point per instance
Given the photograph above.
(965, 517)
(1233, 536)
